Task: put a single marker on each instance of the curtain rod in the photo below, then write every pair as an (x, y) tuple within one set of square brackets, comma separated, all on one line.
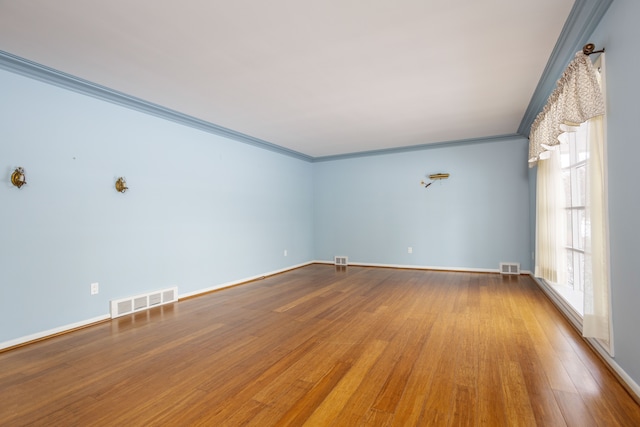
[(588, 49)]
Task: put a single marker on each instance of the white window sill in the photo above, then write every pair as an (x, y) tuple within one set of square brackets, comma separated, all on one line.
[(574, 298)]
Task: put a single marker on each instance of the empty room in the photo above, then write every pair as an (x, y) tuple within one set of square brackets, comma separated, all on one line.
[(406, 213)]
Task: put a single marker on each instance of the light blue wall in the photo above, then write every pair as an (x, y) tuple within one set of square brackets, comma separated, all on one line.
[(372, 208), (202, 210), (619, 33)]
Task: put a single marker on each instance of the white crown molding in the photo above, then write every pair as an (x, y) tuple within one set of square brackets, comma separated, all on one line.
[(419, 147), (45, 74), (582, 21), (49, 75)]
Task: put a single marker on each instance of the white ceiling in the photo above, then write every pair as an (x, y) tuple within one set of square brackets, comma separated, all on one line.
[(320, 78)]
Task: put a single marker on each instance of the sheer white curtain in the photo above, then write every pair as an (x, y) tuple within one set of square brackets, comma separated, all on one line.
[(550, 221), (595, 321), (577, 99)]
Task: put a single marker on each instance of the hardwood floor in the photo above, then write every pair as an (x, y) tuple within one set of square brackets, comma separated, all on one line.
[(317, 346)]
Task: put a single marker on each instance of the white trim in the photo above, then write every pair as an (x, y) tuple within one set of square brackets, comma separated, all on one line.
[(416, 267), (66, 328), (48, 75), (240, 281), (558, 302), (576, 322), (146, 298), (411, 148), (602, 351), (600, 63), (573, 317), (54, 331)]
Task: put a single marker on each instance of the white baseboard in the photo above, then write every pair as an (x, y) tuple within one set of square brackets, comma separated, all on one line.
[(416, 267), (51, 332), (561, 304), (240, 281), (67, 328), (576, 322), (631, 384)]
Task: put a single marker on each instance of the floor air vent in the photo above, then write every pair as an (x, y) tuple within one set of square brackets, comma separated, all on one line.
[(341, 260), (509, 268), (129, 305)]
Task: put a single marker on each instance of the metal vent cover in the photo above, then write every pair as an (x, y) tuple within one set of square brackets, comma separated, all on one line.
[(155, 299), (169, 295), (341, 260), (124, 306), (135, 303), (509, 268)]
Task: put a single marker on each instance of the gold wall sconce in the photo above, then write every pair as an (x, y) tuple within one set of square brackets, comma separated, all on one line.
[(18, 177), (121, 185), (434, 177)]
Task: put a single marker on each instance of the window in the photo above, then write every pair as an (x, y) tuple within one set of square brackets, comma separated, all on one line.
[(572, 224), (574, 154)]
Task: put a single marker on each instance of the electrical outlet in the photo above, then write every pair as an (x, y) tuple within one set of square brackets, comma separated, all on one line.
[(95, 288), (285, 252), (409, 250)]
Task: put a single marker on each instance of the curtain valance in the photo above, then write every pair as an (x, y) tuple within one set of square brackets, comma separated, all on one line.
[(576, 99)]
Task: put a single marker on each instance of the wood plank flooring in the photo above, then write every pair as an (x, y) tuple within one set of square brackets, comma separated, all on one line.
[(320, 346)]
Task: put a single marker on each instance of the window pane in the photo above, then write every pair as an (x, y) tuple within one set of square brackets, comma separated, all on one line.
[(579, 228), (581, 144), (570, 267), (569, 227), (565, 155), (581, 187), (566, 181), (579, 280), (582, 229)]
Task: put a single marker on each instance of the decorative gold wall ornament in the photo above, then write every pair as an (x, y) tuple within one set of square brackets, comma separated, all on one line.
[(434, 177), (18, 177), (439, 176), (121, 185)]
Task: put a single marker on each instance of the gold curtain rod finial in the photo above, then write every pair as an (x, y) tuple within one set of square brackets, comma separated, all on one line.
[(18, 177), (589, 48)]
